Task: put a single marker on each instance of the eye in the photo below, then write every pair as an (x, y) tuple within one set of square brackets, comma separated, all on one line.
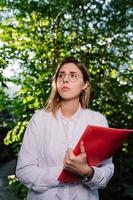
[(73, 75), (61, 75)]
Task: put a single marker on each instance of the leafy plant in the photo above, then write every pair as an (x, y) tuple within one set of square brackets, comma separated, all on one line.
[(38, 34)]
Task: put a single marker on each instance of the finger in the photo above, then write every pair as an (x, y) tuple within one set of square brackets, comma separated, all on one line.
[(82, 148), (66, 155), (66, 158), (66, 164), (71, 155)]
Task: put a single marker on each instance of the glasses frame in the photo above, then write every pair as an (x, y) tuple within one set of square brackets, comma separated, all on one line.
[(69, 76)]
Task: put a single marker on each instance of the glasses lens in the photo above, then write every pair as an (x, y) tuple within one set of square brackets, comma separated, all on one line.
[(60, 76), (73, 77)]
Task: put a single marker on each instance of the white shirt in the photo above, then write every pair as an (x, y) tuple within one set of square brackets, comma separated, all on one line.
[(43, 150)]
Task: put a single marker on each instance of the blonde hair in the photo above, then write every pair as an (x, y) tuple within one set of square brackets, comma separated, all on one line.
[(54, 101)]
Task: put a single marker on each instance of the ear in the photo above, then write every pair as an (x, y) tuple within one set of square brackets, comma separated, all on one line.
[(87, 84)]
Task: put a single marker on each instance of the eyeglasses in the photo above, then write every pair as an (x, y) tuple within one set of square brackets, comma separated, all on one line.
[(72, 76)]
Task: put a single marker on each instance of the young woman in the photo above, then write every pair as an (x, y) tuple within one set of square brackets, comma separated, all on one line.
[(51, 136)]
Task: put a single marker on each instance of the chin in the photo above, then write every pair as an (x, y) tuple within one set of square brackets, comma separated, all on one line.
[(66, 98)]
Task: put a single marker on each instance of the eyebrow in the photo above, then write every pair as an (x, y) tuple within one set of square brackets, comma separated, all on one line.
[(69, 72)]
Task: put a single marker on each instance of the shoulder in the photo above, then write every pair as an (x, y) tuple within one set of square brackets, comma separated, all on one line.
[(95, 113), (96, 117), (40, 115)]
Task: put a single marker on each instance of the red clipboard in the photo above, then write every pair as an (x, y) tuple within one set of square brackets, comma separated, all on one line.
[(100, 144)]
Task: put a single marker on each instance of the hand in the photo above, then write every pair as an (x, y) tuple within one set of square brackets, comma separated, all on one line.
[(77, 164)]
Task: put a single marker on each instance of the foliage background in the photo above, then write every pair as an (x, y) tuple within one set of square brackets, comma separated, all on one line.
[(36, 35)]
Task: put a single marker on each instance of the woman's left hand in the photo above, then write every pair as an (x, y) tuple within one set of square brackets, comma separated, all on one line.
[(77, 164)]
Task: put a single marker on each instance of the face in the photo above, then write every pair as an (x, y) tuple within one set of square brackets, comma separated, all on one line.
[(70, 82)]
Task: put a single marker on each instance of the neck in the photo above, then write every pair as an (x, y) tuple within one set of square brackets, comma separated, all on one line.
[(68, 108)]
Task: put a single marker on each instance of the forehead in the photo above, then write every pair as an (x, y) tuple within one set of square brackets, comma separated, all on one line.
[(70, 67)]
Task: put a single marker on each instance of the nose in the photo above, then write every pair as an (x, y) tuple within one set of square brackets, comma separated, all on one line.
[(65, 79)]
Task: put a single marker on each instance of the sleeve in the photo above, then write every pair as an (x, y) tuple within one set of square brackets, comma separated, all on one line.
[(104, 172), (28, 171), (102, 175)]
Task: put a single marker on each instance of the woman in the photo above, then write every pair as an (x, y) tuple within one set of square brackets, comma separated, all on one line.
[(51, 136)]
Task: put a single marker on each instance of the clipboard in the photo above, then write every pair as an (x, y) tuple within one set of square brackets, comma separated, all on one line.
[(100, 144)]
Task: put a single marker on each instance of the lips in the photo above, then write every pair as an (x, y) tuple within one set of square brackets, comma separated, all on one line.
[(65, 88)]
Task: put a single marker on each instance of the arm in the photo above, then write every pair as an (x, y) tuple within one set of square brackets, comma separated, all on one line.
[(28, 170), (78, 165)]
